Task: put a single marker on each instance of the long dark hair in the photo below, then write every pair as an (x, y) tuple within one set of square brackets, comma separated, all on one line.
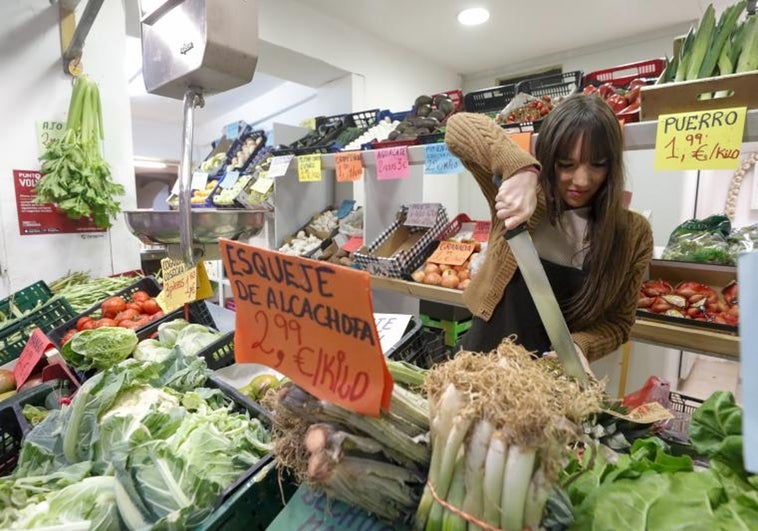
[(590, 119)]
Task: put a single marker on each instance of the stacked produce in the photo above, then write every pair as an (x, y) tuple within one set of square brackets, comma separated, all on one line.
[(301, 244), (500, 426), (82, 292), (623, 100), (447, 276), (711, 240), (76, 178), (241, 191), (716, 49), (427, 116), (531, 110), (649, 488), (141, 445), (247, 149), (377, 464), (379, 133), (691, 300)]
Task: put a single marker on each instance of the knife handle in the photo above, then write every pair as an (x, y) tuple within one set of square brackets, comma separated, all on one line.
[(515, 231)]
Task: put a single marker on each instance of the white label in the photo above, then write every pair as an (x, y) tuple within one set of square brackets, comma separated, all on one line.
[(279, 165), (422, 215), (230, 178), (199, 180), (391, 328)]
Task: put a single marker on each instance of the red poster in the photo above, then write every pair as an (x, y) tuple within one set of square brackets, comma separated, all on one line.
[(42, 219)]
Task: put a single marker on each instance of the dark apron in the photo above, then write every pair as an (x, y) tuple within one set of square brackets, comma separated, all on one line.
[(517, 314)]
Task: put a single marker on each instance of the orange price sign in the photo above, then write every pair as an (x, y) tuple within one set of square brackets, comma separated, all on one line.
[(349, 166), (311, 321), (452, 253), (523, 140)]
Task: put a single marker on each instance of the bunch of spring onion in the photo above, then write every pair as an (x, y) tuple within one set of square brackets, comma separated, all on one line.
[(377, 464), (500, 425), (75, 177)]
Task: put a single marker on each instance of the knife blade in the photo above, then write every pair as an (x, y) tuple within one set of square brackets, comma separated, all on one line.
[(550, 313)]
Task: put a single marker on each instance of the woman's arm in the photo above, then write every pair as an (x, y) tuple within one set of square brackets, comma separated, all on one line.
[(485, 150), (610, 333)]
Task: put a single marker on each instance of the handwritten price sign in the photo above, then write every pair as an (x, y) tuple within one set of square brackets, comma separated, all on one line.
[(349, 166), (452, 253), (703, 140), (309, 168), (392, 163), (312, 322), (438, 160)]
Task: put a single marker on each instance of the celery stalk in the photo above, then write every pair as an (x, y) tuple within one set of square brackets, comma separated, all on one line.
[(494, 468), (516, 479)]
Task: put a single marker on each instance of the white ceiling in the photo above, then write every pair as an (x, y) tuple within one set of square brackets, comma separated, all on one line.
[(516, 31)]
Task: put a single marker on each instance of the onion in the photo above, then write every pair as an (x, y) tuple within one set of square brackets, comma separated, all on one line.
[(450, 281), (418, 276), (449, 273), (435, 279), (464, 274), (431, 268), (464, 283)]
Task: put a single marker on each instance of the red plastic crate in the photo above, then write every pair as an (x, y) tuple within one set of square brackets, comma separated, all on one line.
[(453, 227), (623, 74)]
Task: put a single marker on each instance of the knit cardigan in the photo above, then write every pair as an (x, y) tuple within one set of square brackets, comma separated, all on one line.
[(485, 150)]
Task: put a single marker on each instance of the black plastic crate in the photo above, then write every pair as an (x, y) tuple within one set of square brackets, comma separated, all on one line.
[(147, 284), (443, 312), (337, 123), (13, 338), (403, 349), (13, 424), (196, 312), (26, 299), (491, 99), (682, 406), (553, 85)]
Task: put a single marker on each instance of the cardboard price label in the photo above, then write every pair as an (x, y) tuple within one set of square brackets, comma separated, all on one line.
[(199, 180), (311, 321), (391, 328), (309, 168), (279, 165), (482, 230), (392, 163), (262, 185), (702, 140), (349, 166), (438, 160), (452, 253), (422, 215), (31, 356), (182, 284)]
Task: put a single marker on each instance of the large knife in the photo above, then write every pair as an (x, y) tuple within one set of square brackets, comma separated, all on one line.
[(539, 287)]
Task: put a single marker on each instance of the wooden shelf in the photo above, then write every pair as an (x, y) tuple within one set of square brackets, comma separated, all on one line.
[(644, 330), (709, 274)]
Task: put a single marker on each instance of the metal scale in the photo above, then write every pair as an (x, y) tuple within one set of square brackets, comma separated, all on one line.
[(192, 48)]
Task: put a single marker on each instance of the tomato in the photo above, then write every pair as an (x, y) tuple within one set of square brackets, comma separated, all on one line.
[(105, 322), (89, 325), (140, 296), (82, 321), (111, 306), (66, 338), (128, 323), (150, 307), (143, 322), (156, 315), (127, 315), (136, 306)]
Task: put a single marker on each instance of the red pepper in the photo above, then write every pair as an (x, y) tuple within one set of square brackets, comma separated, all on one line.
[(634, 94), (634, 107), (617, 102), (606, 90), (589, 89), (638, 82)]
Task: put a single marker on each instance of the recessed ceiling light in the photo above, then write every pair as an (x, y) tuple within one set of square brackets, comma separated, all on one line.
[(473, 16)]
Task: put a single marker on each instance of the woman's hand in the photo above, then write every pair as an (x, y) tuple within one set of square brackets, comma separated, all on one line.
[(516, 199)]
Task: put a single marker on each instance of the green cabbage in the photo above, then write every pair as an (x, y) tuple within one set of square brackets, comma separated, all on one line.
[(167, 332), (99, 348), (151, 350)]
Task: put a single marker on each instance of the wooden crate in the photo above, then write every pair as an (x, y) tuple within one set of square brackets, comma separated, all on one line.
[(684, 97)]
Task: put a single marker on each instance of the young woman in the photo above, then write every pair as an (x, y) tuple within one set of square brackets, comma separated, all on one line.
[(594, 251)]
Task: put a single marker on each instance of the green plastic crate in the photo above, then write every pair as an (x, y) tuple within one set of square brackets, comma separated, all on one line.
[(26, 299), (254, 504), (13, 338)]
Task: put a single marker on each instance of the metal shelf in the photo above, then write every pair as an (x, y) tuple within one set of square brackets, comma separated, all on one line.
[(691, 339)]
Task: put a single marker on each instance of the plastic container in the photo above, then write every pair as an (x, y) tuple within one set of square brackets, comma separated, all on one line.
[(553, 85), (197, 313), (426, 349), (13, 338), (683, 407), (402, 350), (621, 75), (454, 227), (489, 100), (27, 298), (147, 284), (338, 123)]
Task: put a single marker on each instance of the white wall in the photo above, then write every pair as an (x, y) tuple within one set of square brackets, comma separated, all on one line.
[(156, 139), (35, 88)]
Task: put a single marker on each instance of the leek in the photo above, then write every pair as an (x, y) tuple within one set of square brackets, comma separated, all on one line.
[(725, 28), (701, 43), (476, 456), (516, 479), (748, 60), (684, 56)]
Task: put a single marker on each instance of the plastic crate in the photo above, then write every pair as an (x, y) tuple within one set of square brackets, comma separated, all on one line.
[(147, 284), (196, 312), (491, 99), (621, 75), (682, 406), (27, 298), (13, 424), (256, 503), (454, 227), (402, 349), (13, 338), (328, 144), (553, 85), (427, 349)]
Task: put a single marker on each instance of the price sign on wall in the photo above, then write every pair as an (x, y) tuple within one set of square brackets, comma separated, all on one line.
[(348, 166), (47, 131), (312, 322), (392, 163), (438, 160), (309, 168), (703, 140)]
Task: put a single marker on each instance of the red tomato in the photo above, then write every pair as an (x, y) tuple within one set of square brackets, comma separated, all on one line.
[(89, 325), (128, 323), (140, 296), (143, 321), (127, 315), (136, 306), (105, 322), (150, 307), (68, 336), (113, 305), (82, 321), (156, 315)]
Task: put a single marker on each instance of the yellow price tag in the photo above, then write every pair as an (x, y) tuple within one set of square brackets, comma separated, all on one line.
[(182, 284), (309, 168), (263, 185), (702, 140)]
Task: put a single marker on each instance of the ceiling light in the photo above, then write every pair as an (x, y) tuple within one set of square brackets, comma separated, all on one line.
[(473, 16), (150, 164)]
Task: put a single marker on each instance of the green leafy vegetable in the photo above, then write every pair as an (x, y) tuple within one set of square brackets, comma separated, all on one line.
[(76, 178), (99, 348), (34, 414), (716, 429)]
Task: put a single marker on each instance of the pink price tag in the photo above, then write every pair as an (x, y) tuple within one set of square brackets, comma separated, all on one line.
[(31, 356), (482, 230), (392, 163), (353, 244)]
